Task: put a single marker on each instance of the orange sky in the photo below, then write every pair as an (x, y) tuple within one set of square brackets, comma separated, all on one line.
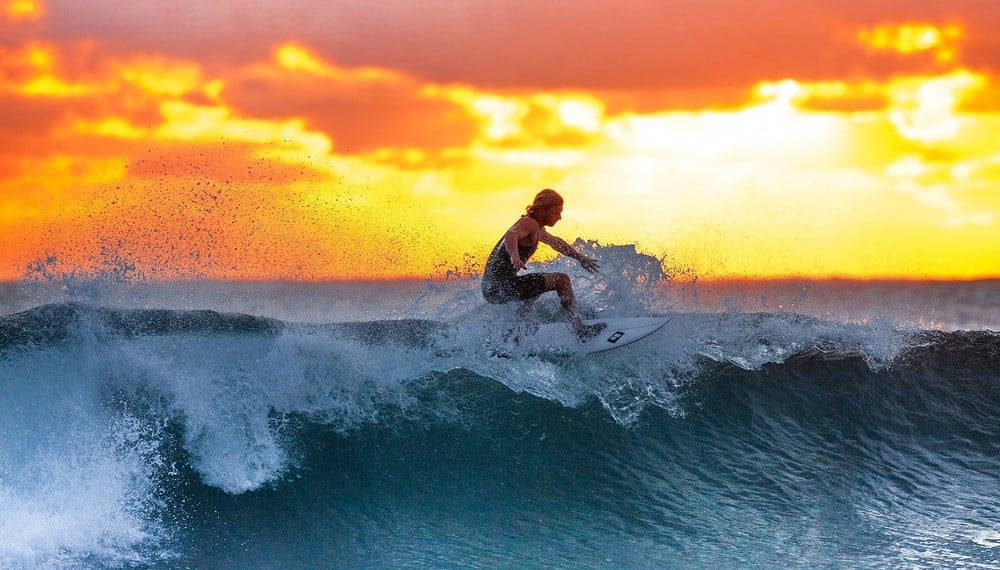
[(341, 139)]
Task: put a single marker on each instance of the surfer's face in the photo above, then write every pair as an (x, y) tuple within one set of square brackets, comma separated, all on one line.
[(550, 215)]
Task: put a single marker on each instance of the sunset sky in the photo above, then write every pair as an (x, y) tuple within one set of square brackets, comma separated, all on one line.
[(345, 139)]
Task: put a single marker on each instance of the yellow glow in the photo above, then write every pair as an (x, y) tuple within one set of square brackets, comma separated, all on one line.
[(214, 88), (914, 38), (923, 109), (785, 91), (34, 66), (503, 115), (113, 127), (294, 57), (583, 114), (185, 121), (18, 10), (59, 171), (162, 78), (893, 178), (908, 167), (49, 86), (774, 122), (39, 56), (507, 117)]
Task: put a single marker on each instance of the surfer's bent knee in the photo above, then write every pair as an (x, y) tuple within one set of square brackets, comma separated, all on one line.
[(558, 282)]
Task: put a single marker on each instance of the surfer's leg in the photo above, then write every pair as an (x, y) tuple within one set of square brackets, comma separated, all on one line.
[(527, 288), (560, 283)]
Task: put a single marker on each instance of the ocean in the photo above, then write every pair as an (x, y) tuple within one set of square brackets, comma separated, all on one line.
[(826, 424)]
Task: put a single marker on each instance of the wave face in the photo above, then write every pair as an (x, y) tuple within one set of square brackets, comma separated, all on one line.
[(169, 438)]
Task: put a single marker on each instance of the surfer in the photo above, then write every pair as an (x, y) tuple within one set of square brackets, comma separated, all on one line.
[(502, 284)]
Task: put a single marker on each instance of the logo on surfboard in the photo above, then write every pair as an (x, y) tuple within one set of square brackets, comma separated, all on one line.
[(614, 338)]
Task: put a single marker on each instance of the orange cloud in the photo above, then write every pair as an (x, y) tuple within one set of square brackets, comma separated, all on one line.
[(361, 110)]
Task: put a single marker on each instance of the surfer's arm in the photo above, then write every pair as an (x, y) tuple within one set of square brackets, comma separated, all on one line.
[(514, 235), (510, 244), (560, 245)]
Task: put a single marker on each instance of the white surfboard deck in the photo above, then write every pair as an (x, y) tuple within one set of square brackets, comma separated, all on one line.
[(619, 333)]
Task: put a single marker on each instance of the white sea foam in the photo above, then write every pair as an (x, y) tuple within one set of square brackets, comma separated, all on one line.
[(75, 478)]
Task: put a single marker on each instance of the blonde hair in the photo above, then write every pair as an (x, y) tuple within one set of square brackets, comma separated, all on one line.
[(545, 199)]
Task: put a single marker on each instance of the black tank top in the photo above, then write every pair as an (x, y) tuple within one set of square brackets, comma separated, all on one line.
[(499, 269)]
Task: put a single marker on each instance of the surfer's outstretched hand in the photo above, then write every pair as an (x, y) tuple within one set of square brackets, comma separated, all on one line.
[(589, 264)]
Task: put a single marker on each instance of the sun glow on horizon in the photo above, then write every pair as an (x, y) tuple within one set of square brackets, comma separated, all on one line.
[(293, 166)]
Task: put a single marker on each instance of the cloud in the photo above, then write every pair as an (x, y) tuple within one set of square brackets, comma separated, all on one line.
[(361, 110), (540, 44), (25, 126)]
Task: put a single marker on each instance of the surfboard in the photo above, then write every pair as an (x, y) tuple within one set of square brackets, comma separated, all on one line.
[(619, 333)]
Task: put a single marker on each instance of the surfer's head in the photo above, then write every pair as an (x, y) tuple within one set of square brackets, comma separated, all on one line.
[(545, 200), (547, 207)]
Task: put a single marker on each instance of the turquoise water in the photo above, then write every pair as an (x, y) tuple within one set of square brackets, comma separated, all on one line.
[(277, 425)]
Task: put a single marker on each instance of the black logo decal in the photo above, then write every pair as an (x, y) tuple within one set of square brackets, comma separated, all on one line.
[(616, 336)]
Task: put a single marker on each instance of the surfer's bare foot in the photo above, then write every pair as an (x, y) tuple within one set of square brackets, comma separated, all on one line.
[(587, 332)]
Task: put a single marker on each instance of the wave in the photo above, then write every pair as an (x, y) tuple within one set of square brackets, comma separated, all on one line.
[(113, 420), (690, 348)]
